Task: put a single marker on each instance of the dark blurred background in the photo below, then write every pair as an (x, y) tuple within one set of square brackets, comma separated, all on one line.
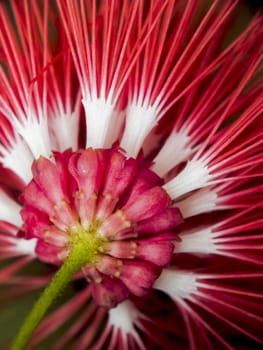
[(254, 5)]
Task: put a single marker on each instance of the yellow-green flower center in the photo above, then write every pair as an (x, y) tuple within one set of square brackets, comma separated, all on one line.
[(91, 244)]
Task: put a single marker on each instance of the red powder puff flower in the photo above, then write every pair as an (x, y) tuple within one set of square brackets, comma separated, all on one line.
[(131, 160)]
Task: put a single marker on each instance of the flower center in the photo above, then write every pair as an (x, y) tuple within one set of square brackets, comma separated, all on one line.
[(113, 208), (90, 242)]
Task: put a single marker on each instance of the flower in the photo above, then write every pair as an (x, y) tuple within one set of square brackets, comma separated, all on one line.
[(131, 155)]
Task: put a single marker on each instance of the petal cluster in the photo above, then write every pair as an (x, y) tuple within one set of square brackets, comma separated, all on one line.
[(115, 204)]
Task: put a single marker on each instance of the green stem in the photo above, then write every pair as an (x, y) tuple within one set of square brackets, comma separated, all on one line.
[(76, 259)]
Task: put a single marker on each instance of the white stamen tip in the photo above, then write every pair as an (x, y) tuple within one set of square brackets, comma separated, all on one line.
[(36, 134), (99, 113), (195, 175), (177, 284), (18, 158), (65, 128), (199, 202), (140, 120), (9, 210), (26, 247), (196, 242), (174, 151), (123, 317)]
